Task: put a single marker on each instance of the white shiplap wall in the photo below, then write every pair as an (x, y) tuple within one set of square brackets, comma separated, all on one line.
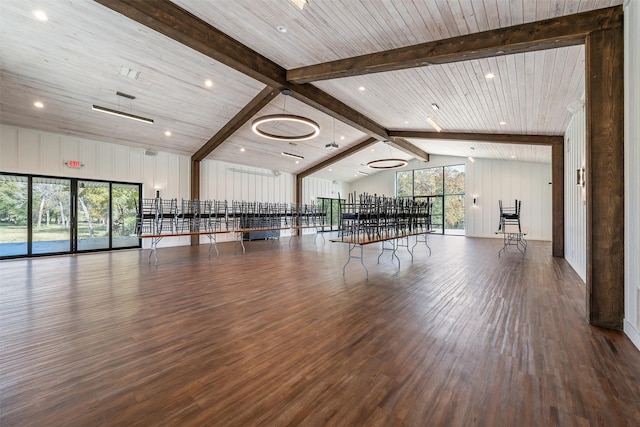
[(34, 152), (494, 180), (490, 181), (312, 188), (631, 170), (575, 209)]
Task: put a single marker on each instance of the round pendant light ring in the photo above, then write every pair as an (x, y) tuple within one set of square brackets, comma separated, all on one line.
[(387, 164), (315, 129)]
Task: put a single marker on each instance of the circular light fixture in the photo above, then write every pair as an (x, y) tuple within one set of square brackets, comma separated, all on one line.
[(315, 129), (387, 164), (38, 104)]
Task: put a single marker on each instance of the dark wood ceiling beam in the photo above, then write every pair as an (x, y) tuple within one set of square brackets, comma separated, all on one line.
[(404, 145), (176, 23), (551, 33), (251, 109), (500, 138), (334, 159)]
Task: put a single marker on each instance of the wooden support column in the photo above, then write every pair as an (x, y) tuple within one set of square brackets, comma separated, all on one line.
[(557, 199), (195, 191), (299, 179), (604, 81)]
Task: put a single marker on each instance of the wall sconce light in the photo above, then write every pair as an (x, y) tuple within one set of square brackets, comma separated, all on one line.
[(580, 178), (475, 200), (157, 194)]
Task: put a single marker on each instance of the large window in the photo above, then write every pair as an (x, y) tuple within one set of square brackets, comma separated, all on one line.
[(49, 215), (444, 188), (331, 209)]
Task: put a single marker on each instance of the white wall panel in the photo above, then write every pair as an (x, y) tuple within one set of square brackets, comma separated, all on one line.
[(34, 152), (231, 182), (88, 152), (28, 149), (490, 181), (632, 170), (312, 188), (120, 160), (575, 215)]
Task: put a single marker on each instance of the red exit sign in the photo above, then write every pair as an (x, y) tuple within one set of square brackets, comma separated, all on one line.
[(76, 164)]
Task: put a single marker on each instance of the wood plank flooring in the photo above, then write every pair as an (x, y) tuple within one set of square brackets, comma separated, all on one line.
[(278, 337)]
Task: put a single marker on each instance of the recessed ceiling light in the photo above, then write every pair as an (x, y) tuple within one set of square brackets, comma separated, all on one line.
[(281, 29), (361, 88), (242, 149), (503, 123), (38, 104), (342, 137), (406, 122), (297, 161), (373, 149), (208, 83), (330, 169), (40, 15), (471, 159), (489, 75), (167, 133), (513, 156)]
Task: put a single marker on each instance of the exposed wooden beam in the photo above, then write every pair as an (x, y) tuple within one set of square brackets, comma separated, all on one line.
[(551, 33), (339, 156), (604, 155), (251, 109), (501, 138), (404, 145), (176, 23)]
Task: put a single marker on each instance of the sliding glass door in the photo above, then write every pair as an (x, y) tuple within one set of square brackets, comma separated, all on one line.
[(93, 215), (50, 215), (125, 199), (14, 213)]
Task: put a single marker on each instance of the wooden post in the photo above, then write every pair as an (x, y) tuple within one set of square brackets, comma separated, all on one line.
[(195, 191), (604, 170), (557, 199)]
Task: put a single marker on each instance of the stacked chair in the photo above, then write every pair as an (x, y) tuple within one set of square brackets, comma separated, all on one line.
[(511, 227), (159, 216), (370, 217)]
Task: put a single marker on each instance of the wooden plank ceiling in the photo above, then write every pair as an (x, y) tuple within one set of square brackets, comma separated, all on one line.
[(83, 53)]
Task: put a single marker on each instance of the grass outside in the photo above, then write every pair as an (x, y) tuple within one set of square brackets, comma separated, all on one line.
[(16, 234)]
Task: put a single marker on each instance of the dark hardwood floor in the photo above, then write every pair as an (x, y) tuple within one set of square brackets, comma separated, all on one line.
[(279, 337)]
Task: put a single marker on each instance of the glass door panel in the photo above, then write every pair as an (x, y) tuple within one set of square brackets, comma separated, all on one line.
[(51, 215), (454, 214), (93, 215), (14, 231), (124, 201)]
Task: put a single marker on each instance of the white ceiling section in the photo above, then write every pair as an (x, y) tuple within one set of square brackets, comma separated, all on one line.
[(81, 54)]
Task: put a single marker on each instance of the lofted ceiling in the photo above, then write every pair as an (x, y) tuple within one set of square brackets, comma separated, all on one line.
[(86, 52)]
